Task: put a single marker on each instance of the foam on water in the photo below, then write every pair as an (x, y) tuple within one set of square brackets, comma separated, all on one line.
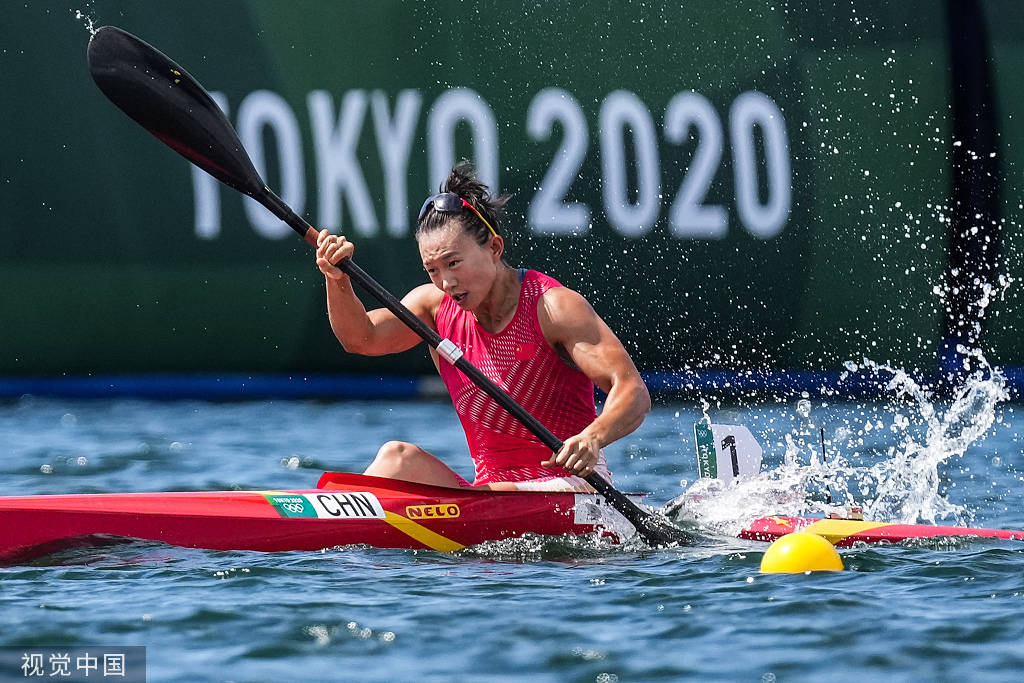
[(536, 548)]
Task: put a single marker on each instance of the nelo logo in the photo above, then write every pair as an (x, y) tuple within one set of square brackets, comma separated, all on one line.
[(444, 511)]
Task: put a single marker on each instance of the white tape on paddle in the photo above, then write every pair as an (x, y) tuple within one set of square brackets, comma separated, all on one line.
[(726, 451), (449, 350)]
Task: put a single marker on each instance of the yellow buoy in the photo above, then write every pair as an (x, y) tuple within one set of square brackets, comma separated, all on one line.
[(800, 552)]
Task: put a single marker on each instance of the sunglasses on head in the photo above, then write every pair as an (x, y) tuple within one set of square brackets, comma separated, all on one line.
[(449, 202)]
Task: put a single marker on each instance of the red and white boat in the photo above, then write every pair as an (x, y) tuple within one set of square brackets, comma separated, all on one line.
[(351, 509), (344, 509)]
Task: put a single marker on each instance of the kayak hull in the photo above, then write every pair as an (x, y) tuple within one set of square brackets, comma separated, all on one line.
[(345, 509), (353, 509), (847, 532)]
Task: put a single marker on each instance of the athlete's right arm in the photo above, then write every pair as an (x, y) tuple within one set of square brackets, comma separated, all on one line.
[(369, 333)]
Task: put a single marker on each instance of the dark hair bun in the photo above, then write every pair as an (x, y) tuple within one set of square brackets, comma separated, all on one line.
[(463, 182)]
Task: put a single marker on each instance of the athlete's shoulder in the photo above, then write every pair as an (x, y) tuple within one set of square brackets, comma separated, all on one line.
[(541, 280), (562, 300), (564, 314)]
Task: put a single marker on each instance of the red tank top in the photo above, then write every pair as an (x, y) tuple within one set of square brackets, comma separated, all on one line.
[(520, 361)]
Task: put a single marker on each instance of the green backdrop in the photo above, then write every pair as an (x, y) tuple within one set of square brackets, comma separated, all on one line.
[(733, 185)]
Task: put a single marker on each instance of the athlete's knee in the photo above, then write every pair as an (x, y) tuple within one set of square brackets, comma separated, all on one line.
[(397, 452)]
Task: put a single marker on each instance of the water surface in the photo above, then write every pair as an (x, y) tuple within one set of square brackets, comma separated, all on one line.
[(538, 609)]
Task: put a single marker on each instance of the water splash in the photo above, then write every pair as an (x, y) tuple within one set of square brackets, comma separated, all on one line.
[(728, 508), (87, 21), (886, 460), (907, 484)]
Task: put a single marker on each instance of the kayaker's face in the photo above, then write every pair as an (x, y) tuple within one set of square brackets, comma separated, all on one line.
[(459, 266)]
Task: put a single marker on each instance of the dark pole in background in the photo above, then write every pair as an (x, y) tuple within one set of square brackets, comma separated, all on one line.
[(974, 230)]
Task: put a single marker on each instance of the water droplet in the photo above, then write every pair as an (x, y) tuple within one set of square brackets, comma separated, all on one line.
[(803, 408)]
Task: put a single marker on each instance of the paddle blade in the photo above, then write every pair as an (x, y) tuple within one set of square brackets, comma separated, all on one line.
[(165, 100), (654, 530)]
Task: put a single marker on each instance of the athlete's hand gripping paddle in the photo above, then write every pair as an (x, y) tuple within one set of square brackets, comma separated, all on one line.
[(165, 100)]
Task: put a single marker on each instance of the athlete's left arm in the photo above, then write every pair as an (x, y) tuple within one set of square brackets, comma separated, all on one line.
[(571, 325)]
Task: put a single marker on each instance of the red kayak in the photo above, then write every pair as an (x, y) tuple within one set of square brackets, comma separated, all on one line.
[(847, 532), (344, 509), (354, 509)]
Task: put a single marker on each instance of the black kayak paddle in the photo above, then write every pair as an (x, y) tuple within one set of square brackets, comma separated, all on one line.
[(165, 100)]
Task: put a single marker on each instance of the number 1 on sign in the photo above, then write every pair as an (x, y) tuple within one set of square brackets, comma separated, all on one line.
[(726, 451)]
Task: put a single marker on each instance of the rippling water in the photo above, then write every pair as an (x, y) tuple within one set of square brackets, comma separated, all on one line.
[(543, 609)]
